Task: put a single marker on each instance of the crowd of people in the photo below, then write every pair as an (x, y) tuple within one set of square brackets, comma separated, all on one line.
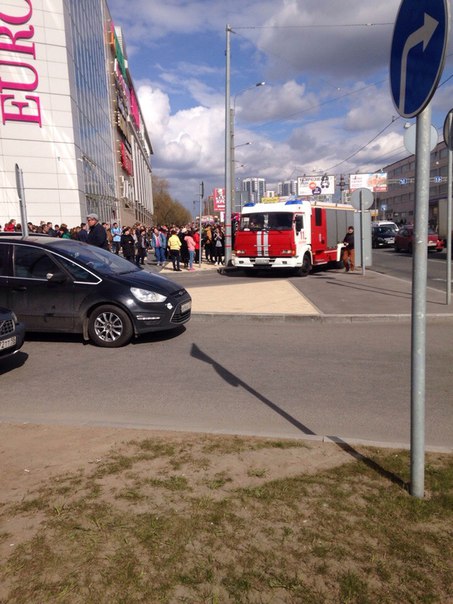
[(179, 244)]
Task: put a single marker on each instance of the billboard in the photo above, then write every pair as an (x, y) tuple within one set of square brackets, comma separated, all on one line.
[(219, 200), (375, 182), (316, 185)]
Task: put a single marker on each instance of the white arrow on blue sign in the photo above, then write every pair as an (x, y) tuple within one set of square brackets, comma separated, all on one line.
[(418, 53)]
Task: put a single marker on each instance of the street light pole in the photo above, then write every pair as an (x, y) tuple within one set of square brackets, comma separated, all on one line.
[(233, 167), (233, 147), (229, 143)]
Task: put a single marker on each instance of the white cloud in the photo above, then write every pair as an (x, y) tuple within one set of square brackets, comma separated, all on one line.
[(326, 99)]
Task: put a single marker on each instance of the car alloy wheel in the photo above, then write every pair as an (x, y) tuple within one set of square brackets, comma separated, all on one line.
[(110, 327)]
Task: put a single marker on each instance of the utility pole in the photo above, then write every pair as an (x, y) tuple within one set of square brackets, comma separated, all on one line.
[(227, 151)]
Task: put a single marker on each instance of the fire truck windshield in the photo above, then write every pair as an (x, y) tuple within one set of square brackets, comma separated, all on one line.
[(280, 221)]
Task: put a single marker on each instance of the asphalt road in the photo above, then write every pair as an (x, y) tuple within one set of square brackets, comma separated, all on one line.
[(399, 264), (243, 377)]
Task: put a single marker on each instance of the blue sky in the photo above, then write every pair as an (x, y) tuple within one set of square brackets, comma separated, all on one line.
[(325, 107)]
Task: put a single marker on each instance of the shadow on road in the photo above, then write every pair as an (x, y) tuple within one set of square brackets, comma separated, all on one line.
[(236, 382)]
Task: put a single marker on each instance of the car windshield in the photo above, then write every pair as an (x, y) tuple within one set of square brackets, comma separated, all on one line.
[(95, 257), (280, 221), (385, 231)]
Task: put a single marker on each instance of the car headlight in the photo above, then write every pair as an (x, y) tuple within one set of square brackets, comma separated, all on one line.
[(14, 317), (144, 295)]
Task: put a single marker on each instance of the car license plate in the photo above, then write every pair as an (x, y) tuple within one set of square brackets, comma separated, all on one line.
[(8, 343), (186, 306), (261, 260)]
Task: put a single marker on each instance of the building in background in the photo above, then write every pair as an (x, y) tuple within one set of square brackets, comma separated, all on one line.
[(398, 203), (287, 188), (255, 189), (70, 118)]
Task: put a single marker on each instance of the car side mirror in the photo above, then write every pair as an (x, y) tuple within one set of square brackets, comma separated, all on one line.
[(56, 277)]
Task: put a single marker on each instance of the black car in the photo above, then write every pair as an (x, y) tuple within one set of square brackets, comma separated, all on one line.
[(62, 285), (382, 236), (11, 333)]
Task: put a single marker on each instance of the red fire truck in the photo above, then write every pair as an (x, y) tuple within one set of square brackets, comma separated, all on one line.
[(292, 233)]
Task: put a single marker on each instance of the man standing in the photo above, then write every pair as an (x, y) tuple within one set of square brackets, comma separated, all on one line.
[(82, 235), (97, 234), (116, 235), (158, 243), (349, 252)]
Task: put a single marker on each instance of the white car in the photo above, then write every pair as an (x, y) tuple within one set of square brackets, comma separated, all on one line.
[(386, 223)]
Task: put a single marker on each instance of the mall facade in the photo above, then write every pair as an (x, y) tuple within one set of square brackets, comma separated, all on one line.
[(70, 118)]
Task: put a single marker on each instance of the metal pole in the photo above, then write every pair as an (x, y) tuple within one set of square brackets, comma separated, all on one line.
[(227, 151), (21, 194), (449, 211), (232, 170), (200, 247), (362, 235), (419, 282)]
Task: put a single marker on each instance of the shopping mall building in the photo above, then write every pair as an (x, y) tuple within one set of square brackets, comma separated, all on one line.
[(70, 118)]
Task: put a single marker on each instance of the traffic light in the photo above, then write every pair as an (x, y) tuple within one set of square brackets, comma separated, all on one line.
[(342, 183)]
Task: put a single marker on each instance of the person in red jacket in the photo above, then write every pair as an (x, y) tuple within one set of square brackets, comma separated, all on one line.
[(10, 226), (196, 238)]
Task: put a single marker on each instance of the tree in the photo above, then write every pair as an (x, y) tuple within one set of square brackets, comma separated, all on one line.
[(166, 209)]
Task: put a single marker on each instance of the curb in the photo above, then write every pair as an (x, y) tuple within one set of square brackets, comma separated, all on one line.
[(289, 318)]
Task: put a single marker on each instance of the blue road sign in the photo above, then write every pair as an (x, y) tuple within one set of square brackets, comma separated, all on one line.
[(418, 53)]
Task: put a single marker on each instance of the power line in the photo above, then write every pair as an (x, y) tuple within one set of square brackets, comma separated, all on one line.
[(394, 119), (314, 25)]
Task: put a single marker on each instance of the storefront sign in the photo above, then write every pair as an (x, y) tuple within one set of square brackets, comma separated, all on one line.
[(126, 159), (17, 104)]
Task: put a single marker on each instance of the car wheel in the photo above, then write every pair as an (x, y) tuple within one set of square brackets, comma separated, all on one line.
[(306, 266), (110, 327)]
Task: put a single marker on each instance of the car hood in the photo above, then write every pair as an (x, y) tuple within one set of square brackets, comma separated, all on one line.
[(148, 281)]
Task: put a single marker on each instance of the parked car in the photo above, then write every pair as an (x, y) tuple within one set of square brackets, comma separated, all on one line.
[(62, 285), (385, 223), (404, 240), (11, 333), (382, 237)]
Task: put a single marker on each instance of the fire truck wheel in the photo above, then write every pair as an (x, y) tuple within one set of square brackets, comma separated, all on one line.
[(306, 266)]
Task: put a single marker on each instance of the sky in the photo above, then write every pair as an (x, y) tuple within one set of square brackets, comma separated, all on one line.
[(325, 105)]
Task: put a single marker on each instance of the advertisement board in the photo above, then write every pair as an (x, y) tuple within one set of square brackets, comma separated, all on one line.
[(374, 182), (316, 185), (219, 200)]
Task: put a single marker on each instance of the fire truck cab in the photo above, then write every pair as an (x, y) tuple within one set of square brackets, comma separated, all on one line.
[(293, 234)]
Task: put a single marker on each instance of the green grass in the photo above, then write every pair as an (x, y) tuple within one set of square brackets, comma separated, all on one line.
[(153, 524)]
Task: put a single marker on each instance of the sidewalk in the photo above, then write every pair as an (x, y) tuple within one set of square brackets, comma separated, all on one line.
[(328, 295)]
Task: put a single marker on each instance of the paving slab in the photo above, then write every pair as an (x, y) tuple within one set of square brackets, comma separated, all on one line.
[(251, 298)]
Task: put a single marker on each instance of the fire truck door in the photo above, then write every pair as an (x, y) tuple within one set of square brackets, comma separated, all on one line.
[(318, 230)]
